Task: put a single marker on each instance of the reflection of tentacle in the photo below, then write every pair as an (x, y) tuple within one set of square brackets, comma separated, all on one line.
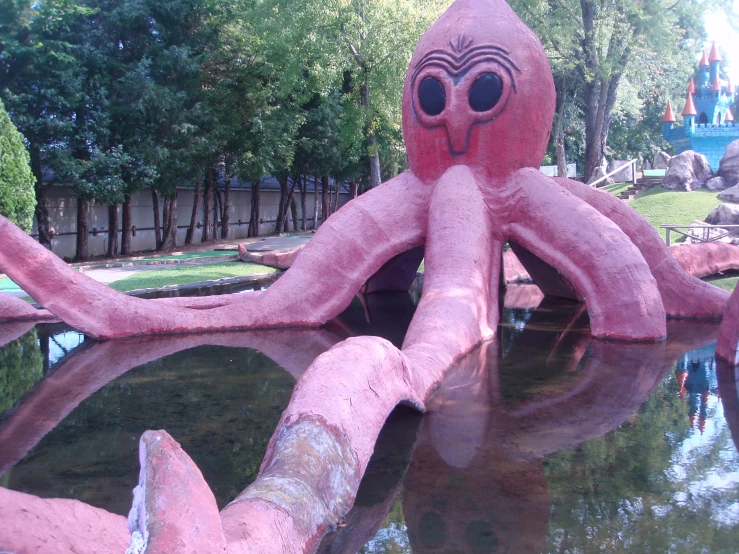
[(370, 230), (15, 309), (85, 372), (11, 331), (682, 294), (728, 386), (607, 270), (727, 346), (58, 526)]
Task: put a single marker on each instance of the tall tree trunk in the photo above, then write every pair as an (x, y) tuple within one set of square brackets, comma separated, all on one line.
[(157, 222), (354, 187), (194, 215), (126, 226), (316, 203), (82, 251), (41, 211), (254, 217), (324, 198), (112, 230), (226, 209), (336, 199), (294, 212), (207, 205), (303, 186), (289, 203), (372, 151), (282, 208), (169, 236), (559, 135)]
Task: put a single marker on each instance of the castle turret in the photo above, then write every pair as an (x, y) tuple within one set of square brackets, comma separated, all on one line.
[(729, 119), (703, 70), (714, 59), (689, 114), (668, 120)]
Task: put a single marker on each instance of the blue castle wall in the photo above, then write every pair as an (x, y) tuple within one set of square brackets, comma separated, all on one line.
[(709, 140), (707, 132)]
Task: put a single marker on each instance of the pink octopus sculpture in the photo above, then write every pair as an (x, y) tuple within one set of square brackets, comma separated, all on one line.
[(477, 108)]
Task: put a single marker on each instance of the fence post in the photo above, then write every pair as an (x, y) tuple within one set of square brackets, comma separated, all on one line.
[(667, 236)]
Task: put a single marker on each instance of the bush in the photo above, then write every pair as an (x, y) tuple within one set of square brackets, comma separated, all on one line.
[(17, 197)]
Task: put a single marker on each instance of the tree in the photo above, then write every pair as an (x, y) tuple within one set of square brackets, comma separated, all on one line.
[(17, 199), (599, 43)]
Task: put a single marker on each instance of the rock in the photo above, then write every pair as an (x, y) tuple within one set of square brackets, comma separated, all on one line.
[(661, 160), (725, 214), (716, 183), (621, 176), (688, 171), (696, 236), (729, 166), (599, 173), (646, 165), (730, 194)]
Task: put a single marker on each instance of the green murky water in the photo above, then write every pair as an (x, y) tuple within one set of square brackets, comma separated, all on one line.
[(543, 441)]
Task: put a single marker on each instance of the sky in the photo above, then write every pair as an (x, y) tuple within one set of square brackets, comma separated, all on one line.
[(719, 30)]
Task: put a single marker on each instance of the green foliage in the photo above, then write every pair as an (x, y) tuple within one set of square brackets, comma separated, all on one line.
[(17, 199), (21, 366)]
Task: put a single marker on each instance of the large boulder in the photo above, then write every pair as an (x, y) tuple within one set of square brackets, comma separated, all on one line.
[(730, 194), (622, 176), (688, 171), (729, 166), (725, 214), (661, 160), (599, 174), (716, 183)]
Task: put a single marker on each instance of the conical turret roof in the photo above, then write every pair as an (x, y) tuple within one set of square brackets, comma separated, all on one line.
[(669, 116), (689, 108), (715, 56)]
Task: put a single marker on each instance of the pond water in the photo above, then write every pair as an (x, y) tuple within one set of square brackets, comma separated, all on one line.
[(541, 441)]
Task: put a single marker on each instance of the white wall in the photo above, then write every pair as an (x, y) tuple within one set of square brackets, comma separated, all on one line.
[(62, 206)]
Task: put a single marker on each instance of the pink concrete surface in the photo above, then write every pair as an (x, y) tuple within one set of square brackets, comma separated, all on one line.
[(174, 509), (11, 331), (683, 295), (727, 345), (706, 258), (280, 259), (15, 309), (29, 524)]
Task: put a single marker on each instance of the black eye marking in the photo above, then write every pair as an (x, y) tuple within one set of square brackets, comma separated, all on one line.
[(485, 92), (431, 96)]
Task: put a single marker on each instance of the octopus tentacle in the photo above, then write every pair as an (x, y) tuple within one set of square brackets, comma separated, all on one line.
[(324, 440), (607, 270), (370, 230), (683, 295)]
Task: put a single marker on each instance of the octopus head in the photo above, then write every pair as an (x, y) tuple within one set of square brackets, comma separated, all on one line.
[(479, 92)]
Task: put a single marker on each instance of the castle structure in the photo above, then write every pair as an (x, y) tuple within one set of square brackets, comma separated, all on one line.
[(708, 123)]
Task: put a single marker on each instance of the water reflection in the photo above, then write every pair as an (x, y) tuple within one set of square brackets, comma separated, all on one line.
[(543, 441)]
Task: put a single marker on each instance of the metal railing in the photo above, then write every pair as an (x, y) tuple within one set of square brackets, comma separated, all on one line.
[(705, 236), (632, 163)]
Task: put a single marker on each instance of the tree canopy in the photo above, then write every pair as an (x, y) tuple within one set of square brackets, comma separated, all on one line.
[(17, 200)]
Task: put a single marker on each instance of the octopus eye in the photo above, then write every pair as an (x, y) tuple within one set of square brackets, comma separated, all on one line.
[(485, 92), (431, 96)]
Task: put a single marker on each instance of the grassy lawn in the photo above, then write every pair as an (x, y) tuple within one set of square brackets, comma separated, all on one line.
[(185, 275), (660, 206)]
